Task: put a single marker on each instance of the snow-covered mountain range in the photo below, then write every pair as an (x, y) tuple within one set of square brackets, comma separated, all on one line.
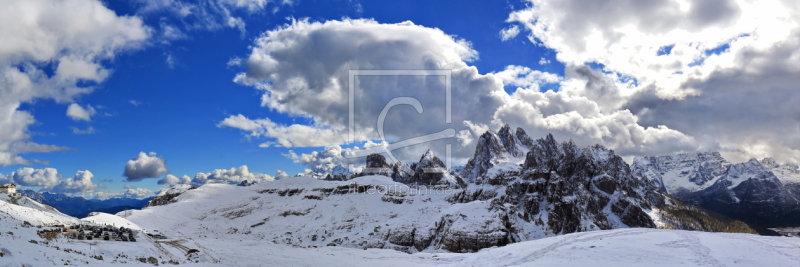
[(80, 207), (502, 196), (762, 192), (517, 193)]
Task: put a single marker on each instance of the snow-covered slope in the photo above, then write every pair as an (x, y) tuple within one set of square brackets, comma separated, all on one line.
[(787, 173), (28, 238), (683, 173), (21, 246)]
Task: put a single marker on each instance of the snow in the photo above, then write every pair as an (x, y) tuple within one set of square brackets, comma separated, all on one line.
[(192, 223), (675, 172), (177, 189), (738, 173), (114, 220), (787, 174)]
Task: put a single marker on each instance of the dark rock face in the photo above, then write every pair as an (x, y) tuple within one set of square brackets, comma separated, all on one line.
[(523, 138), (510, 142), (559, 189), (166, 198), (376, 165), (565, 189), (430, 169), (488, 152), (246, 183)]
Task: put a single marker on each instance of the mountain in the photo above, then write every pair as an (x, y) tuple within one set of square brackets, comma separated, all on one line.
[(504, 208), (168, 196), (72, 206), (683, 173), (26, 240), (761, 192), (496, 200), (122, 201), (81, 207)]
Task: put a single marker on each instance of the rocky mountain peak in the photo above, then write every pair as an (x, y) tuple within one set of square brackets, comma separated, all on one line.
[(770, 163), (376, 165), (376, 160), (488, 152), (429, 155), (510, 142), (682, 173), (523, 138)]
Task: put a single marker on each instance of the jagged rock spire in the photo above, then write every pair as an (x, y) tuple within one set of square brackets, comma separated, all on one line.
[(488, 152), (510, 141), (523, 138), (376, 165), (430, 169)]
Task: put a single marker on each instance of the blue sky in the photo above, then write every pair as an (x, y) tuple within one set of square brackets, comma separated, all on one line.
[(181, 105), (614, 78)]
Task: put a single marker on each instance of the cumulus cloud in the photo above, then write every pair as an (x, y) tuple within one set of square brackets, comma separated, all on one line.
[(73, 37), (48, 179), (145, 166), (170, 179), (76, 112), (135, 192), (723, 72), (295, 135), (302, 68), (230, 176), (80, 183), (281, 175)]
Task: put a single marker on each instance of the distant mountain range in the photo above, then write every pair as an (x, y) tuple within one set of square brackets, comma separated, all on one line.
[(81, 207), (761, 192)]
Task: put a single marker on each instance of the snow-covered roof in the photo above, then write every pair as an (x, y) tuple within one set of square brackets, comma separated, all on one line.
[(8, 186)]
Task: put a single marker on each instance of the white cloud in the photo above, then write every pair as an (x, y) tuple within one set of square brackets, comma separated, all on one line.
[(295, 135), (135, 192), (134, 103), (509, 32), (170, 60), (80, 183), (721, 71), (129, 192), (145, 166), (543, 61), (48, 179), (205, 14), (525, 77), (230, 176), (281, 175), (74, 37), (170, 179), (302, 68), (76, 112), (89, 130)]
